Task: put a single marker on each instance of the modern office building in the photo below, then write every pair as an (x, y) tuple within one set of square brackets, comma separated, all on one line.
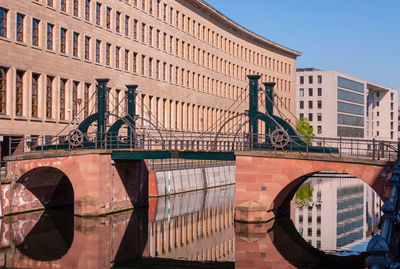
[(189, 60), (339, 105)]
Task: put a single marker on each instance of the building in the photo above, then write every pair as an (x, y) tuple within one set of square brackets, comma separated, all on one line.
[(189, 60), (341, 214), (339, 105)]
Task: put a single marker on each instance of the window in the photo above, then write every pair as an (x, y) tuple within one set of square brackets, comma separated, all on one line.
[(301, 92), (150, 67), (19, 93), (310, 104), (319, 129), (309, 231), (63, 5), (63, 40), (350, 108), (151, 36), (310, 79), (50, 3), (319, 104), (143, 31), (108, 17), (98, 44), (126, 60), (377, 94), (75, 45), (3, 22), (117, 21), (391, 96), (350, 132), (87, 10), (3, 90), (301, 104), (350, 84), (87, 47), (377, 124), (75, 85), (377, 113), (35, 92), (108, 48), (98, 13), (301, 115), (86, 100), (117, 50), (134, 62), (126, 25), (391, 106), (50, 36), (135, 25), (319, 79), (62, 99), (319, 117), (49, 97), (319, 91), (377, 133), (310, 92), (310, 116), (20, 27), (35, 32), (76, 8), (350, 96), (142, 65), (377, 103)]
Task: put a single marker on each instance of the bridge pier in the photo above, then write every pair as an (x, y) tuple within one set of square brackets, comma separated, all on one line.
[(92, 183)]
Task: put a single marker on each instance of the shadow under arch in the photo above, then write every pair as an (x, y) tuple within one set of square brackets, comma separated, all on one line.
[(50, 185), (292, 246), (51, 237)]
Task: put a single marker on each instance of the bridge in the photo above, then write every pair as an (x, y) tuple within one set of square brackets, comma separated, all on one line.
[(108, 170)]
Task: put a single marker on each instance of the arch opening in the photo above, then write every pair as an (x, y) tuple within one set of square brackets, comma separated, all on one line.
[(332, 212), (50, 186)]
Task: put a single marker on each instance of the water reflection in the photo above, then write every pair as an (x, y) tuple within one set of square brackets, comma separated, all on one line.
[(192, 229), (336, 213)]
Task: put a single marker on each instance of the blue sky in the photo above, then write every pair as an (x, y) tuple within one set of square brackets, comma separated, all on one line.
[(357, 37)]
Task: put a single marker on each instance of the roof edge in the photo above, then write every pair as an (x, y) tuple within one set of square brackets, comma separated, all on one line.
[(236, 26)]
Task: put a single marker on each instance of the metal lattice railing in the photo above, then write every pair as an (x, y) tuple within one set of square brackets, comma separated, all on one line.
[(183, 140)]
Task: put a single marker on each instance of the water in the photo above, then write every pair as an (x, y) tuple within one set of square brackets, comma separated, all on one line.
[(197, 230)]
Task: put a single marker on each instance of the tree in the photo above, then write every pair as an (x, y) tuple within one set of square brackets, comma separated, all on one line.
[(304, 128), (304, 195)]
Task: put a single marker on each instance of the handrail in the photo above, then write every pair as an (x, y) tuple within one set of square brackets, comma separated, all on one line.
[(383, 248)]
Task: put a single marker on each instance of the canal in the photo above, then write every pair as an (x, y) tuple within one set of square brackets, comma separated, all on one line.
[(327, 224)]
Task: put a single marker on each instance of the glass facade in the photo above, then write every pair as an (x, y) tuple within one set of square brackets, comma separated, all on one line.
[(350, 84), (350, 132), (350, 96), (350, 108), (350, 120)]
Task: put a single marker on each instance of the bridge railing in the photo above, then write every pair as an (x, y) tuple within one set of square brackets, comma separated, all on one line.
[(154, 140)]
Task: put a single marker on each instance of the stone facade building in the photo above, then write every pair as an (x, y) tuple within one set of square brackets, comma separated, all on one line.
[(189, 61)]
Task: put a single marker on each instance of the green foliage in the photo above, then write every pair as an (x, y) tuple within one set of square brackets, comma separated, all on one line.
[(305, 129), (304, 195)]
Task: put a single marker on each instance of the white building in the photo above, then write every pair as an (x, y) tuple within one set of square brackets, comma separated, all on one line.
[(339, 105), (341, 213)]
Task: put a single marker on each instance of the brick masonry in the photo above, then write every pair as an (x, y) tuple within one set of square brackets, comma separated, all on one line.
[(269, 180), (99, 185)]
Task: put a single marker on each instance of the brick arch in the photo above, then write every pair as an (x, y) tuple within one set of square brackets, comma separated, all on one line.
[(270, 180), (50, 186), (100, 185)]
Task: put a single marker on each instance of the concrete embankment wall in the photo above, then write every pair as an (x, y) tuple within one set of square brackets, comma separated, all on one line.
[(185, 180)]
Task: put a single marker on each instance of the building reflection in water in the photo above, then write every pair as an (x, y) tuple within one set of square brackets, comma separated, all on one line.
[(195, 226), (336, 212), (198, 227)]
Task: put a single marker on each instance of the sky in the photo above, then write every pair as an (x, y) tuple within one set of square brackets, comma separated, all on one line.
[(360, 38)]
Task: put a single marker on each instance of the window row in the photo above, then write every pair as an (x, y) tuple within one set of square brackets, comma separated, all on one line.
[(310, 92), (311, 79), (113, 19), (310, 116), (311, 104), (81, 46)]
